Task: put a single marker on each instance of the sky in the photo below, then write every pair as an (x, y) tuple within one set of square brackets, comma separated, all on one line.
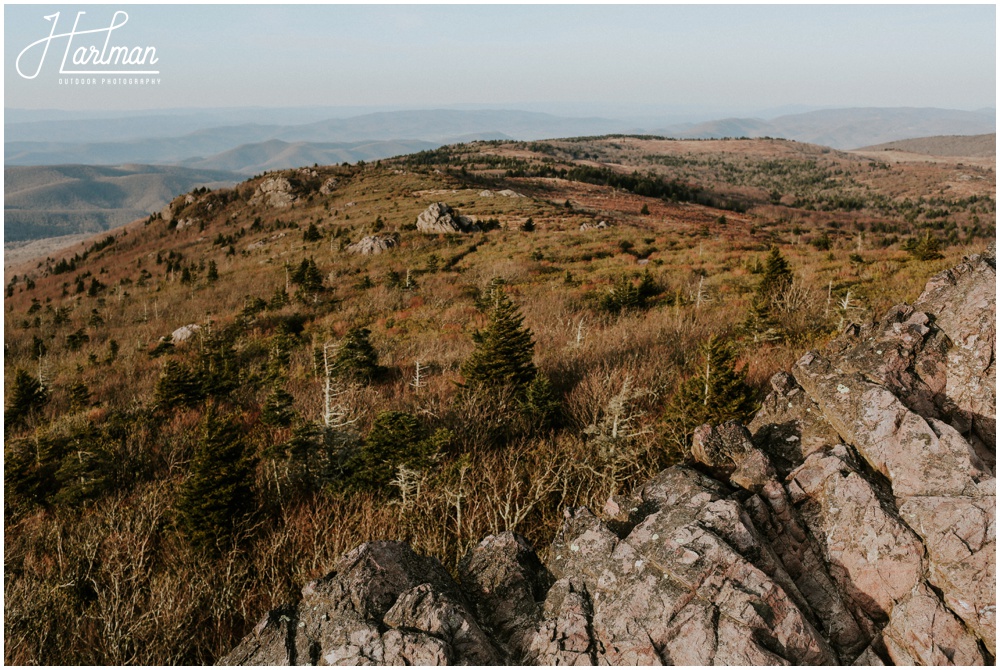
[(740, 58)]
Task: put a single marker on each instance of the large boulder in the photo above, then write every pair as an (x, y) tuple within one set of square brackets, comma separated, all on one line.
[(853, 523), (440, 218), (274, 192), (373, 244), (382, 605)]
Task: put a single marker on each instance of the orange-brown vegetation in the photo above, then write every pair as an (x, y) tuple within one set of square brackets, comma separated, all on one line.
[(97, 566)]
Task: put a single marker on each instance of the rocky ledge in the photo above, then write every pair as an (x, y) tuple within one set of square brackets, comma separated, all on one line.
[(852, 522)]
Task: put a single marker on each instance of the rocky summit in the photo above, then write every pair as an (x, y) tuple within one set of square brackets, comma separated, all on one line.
[(853, 521)]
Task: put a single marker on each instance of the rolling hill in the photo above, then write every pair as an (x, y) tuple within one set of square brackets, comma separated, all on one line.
[(251, 159), (978, 146)]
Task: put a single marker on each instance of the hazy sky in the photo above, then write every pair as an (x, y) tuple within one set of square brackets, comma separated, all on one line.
[(734, 57)]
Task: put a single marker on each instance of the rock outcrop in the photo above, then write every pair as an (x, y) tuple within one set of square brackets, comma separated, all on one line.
[(440, 218), (373, 244), (852, 522), (274, 192), (184, 333), (590, 225)]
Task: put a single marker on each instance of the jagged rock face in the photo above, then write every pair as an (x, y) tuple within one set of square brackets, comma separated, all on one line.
[(373, 244), (853, 523), (274, 192), (382, 605), (440, 218)]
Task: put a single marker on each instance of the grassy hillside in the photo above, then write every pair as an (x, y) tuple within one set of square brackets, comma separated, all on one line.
[(47, 201), (310, 442), (979, 146)]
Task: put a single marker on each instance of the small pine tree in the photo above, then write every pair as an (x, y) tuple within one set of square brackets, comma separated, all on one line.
[(27, 396), (312, 234), (396, 438), (278, 409), (279, 299), (356, 357), (308, 276), (216, 493), (927, 248), (622, 297), (776, 277), (504, 350), (85, 474), (79, 395), (648, 287), (760, 325), (715, 394), (644, 211), (177, 386), (541, 404), (528, 226), (213, 272)]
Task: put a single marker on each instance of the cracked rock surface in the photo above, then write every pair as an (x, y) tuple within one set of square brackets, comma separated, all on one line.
[(852, 522)]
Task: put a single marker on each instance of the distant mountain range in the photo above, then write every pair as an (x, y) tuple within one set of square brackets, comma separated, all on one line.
[(398, 130), (47, 201), (201, 148), (848, 128), (384, 134)]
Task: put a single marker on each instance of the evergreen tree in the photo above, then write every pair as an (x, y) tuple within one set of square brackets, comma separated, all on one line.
[(760, 324), (622, 297), (27, 396), (85, 473), (528, 226), (79, 395), (541, 405), (177, 386), (213, 272), (776, 278), (217, 372), (279, 299), (926, 248), (38, 348), (714, 394), (216, 493), (504, 350), (308, 276), (648, 288), (312, 234), (356, 357), (625, 295), (278, 409), (396, 438)]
